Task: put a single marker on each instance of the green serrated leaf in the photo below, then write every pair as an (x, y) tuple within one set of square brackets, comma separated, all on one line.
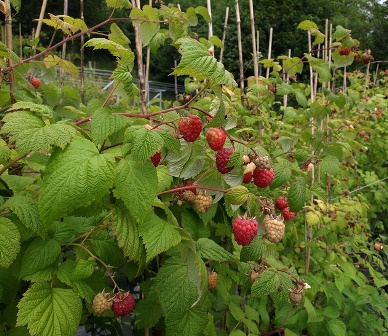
[(236, 311), (311, 312), (49, 311), (190, 322), (307, 25), (283, 173), (197, 62), (337, 327), (292, 66), (127, 233), (118, 36), (219, 118), (330, 164), (170, 142), (148, 312), (164, 178), (39, 255), (177, 287), (118, 3), (73, 178), (27, 211), (300, 98), (266, 283), (297, 194), (9, 242), (340, 33), (253, 251), (194, 226), (210, 250), (158, 235), (31, 133), (342, 60), (210, 329), (137, 186), (105, 124), (145, 143), (147, 22)]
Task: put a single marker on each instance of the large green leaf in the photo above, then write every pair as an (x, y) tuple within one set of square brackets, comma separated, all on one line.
[(147, 21), (127, 233), (267, 282), (104, 124), (190, 322), (73, 178), (137, 186), (9, 242), (39, 255), (177, 283), (210, 250), (158, 235), (148, 312), (197, 62), (297, 194), (26, 209), (49, 311), (31, 133)]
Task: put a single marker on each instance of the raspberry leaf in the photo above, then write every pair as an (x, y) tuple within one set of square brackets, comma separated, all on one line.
[(330, 164), (27, 211), (337, 327), (147, 22), (164, 178), (297, 194), (283, 173), (145, 143), (219, 118), (37, 109), (190, 322), (137, 186), (210, 250), (105, 124), (197, 62), (253, 251), (39, 255), (195, 227), (73, 178), (118, 3), (148, 312), (9, 242), (266, 283), (188, 162), (48, 311), (127, 233), (31, 133), (158, 235)]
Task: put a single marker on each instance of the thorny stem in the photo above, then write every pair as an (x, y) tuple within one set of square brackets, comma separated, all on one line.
[(190, 187), (107, 267), (9, 164)]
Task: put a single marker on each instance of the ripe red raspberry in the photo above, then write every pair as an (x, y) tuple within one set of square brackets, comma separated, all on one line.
[(287, 214), (281, 203), (344, 51), (247, 178), (190, 127), (215, 137), (213, 279), (263, 177), (35, 82), (102, 303), (222, 159), (244, 229), (202, 203), (123, 303), (156, 159)]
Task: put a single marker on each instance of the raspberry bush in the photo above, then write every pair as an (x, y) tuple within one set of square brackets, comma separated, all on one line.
[(117, 196)]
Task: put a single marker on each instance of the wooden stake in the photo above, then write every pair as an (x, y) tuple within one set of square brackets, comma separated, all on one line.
[(147, 70), (41, 16), (240, 57), (269, 48), (139, 56), (224, 32), (254, 48), (82, 65), (209, 9), (9, 43), (62, 73)]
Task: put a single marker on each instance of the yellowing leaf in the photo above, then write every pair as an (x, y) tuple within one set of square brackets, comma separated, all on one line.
[(312, 218)]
